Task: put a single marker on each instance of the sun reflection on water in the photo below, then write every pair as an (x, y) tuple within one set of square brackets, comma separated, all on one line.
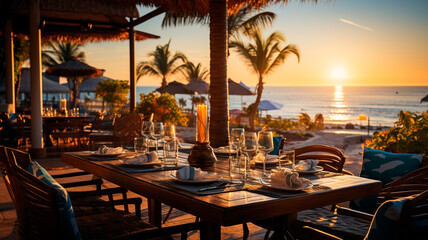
[(339, 113)]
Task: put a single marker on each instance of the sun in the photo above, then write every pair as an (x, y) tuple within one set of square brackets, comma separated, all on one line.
[(339, 73)]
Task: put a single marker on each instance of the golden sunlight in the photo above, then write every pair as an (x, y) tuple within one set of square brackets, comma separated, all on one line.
[(339, 73)]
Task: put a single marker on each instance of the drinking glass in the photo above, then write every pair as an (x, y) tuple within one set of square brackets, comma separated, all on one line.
[(141, 145), (237, 139), (146, 129), (288, 156), (250, 149), (157, 133), (169, 131), (265, 146), (170, 153)]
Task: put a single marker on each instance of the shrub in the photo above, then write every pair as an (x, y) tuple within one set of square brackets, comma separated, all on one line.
[(164, 107), (409, 135), (113, 92)]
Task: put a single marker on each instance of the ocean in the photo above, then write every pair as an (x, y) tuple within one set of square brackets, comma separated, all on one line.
[(339, 105)]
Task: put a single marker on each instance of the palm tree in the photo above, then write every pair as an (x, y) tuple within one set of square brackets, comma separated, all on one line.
[(182, 102), (192, 72), (162, 64), (57, 53), (219, 123), (263, 56)]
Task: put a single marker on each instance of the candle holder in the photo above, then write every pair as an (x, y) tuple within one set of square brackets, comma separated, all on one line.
[(202, 155)]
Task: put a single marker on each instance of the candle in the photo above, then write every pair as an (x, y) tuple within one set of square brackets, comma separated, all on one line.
[(201, 123), (63, 104)]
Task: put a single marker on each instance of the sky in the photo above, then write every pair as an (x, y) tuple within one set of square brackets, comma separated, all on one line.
[(341, 42)]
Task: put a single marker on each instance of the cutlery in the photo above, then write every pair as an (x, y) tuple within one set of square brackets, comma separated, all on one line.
[(219, 186)]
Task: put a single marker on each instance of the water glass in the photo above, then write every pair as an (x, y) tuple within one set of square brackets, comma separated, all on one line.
[(141, 145), (286, 159), (157, 133), (170, 153), (249, 148), (238, 168), (265, 146), (169, 133)]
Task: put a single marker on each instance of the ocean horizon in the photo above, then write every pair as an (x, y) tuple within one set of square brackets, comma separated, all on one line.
[(338, 104)]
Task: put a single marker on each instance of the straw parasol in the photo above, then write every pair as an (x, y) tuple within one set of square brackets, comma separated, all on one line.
[(238, 89), (424, 99), (199, 86), (76, 70), (175, 88)]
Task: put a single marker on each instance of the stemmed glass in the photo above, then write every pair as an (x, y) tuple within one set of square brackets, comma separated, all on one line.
[(237, 138), (249, 148), (146, 131), (157, 133), (265, 146)]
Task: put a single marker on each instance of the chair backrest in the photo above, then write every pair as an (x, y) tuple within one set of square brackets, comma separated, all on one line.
[(414, 218), (412, 183), (4, 170), (330, 158), (40, 206), (22, 158), (128, 127)]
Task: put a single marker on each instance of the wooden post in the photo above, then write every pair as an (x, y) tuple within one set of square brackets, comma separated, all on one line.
[(36, 82), (10, 68), (132, 81)]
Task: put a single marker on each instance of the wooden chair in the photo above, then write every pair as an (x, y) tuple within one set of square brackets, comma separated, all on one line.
[(330, 158), (23, 130), (39, 215), (67, 129), (125, 129), (351, 224), (414, 211)]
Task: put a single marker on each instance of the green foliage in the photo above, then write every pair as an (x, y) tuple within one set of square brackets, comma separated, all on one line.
[(113, 92), (303, 123), (164, 107), (409, 135)]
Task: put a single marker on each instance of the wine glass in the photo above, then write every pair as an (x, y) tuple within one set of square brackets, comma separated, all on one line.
[(146, 129), (265, 146), (157, 133), (249, 148), (237, 138)]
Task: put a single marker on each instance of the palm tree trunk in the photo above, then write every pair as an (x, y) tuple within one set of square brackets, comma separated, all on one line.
[(164, 83), (219, 98), (256, 104)]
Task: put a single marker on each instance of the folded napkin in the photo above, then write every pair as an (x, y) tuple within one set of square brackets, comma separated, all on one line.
[(306, 165), (150, 157), (108, 150), (269, 158), (191, 173), (288, 179)]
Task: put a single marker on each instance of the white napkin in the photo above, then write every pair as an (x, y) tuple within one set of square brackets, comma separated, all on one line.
[(289, 179), (269, 158), (191, 173), (108, 150), (150, 157), (306, 165)]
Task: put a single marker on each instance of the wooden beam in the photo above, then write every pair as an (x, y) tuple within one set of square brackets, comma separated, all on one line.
[(132, 81), (146, 17)]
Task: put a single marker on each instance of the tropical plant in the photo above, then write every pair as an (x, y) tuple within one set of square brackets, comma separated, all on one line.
[(263, 56), (409, 135), (59, 52), (113, 92), (192, 72), (196, 100), (163, 107), (163, 63)]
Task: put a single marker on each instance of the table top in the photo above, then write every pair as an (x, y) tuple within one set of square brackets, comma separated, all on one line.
[(251, 203)]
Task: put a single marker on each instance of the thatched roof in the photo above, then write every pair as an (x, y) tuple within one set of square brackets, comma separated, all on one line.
[(74, 68), (198, 85), (238, 89), (88, 84), (77, 20), (201, 7), (175, 87)]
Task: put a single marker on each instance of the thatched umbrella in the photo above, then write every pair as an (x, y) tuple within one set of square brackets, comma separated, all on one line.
[(76, 71), (198, 85), (424, 99), (175, 88)]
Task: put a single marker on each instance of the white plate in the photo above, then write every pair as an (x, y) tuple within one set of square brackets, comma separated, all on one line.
[(287, 188), (315, 170), (211, 177), (96, 154)]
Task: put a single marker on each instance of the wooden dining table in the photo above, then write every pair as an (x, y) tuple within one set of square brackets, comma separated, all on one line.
[(229, 206)]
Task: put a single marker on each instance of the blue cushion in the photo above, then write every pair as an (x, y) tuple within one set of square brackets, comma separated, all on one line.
[(66, 212), (386, 219), (385, 167), (276, 143)]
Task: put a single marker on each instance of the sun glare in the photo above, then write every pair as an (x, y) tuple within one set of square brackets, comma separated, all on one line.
[(339, 73)]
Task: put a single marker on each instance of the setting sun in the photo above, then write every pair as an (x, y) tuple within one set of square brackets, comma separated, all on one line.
[(339, 73)]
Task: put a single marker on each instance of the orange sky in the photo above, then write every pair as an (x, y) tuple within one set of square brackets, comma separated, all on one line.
[(382, 42)]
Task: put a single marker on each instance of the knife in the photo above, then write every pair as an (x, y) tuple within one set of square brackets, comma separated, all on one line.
[(221, 185)]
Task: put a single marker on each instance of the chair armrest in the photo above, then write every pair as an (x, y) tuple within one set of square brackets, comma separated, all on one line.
[(315, 234), (102, 192), (354, 213), (166, 231), (347, 172), (97, 182), (72, 174)]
